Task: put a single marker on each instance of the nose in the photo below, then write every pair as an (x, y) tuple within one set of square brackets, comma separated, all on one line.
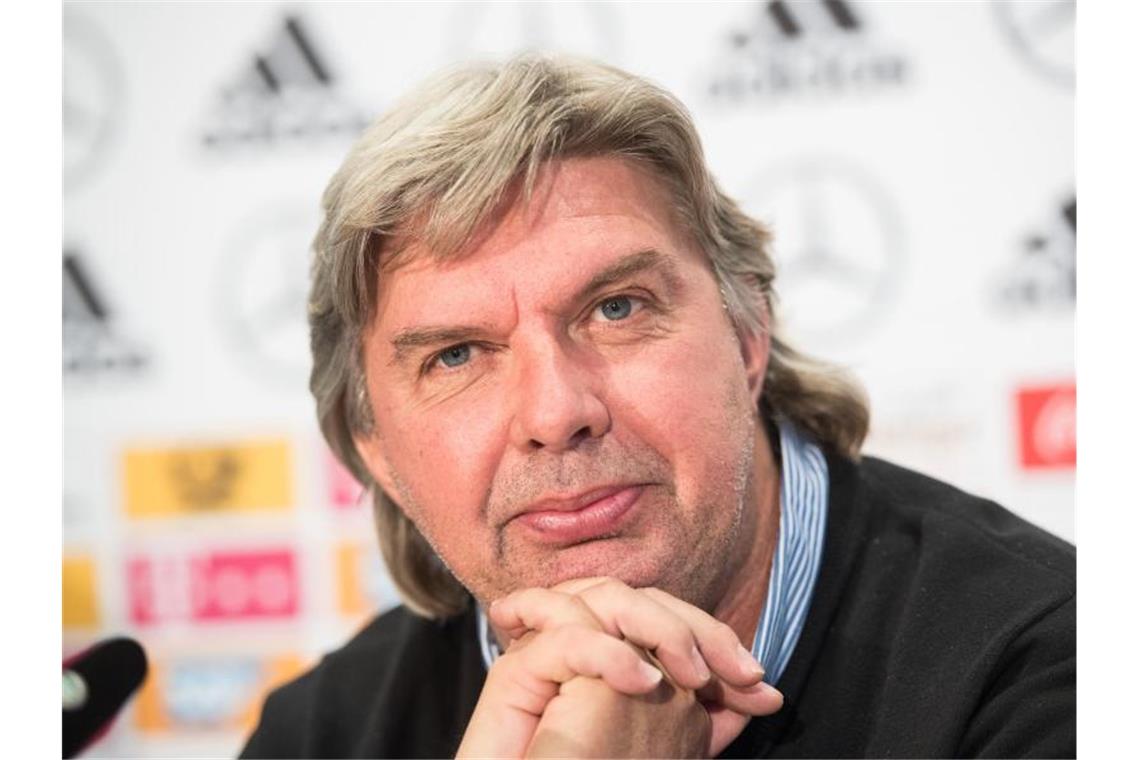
[(557, 406)]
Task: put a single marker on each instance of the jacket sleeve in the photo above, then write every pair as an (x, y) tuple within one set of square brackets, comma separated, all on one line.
[(1029, 709)]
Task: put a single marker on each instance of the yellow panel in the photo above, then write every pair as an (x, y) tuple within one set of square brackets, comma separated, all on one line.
[(150, 715), (350, 592), (80, 605), (245, 476)]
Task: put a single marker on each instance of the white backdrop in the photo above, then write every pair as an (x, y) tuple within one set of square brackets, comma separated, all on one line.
[(915, 161)]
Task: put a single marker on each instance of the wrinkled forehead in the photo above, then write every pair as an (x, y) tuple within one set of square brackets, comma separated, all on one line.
[(594, 185), (581, 216)]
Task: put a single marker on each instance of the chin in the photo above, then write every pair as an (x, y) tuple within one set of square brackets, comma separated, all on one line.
[(613, 558)]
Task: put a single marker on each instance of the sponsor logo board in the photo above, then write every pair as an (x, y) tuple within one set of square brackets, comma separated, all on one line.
[(1043, 274), (584, 28), (191, 480), (1042, 34), (345, 492), (213, 586), (364, 585), (92, 346), (262, 290), (285, 93), (80, 596), (92, 97), (838, 247), (781, 49), (198, 693), (1047, 426)]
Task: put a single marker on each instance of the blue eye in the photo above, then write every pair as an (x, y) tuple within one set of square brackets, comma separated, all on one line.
[(616, 308), (456, 355)]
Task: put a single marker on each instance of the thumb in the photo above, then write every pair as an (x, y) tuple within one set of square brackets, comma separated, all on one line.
[(726, 726)]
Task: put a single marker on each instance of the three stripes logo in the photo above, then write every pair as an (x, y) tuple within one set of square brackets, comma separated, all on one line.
[(839, 18), (90, 345), (821, 47), (1044, 273), (286, 94)]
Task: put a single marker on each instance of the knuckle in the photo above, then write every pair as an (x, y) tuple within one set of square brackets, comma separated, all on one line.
[(568, 636), (585, 613), (724, 634), (658, 594), (680, 633), (611, 584)]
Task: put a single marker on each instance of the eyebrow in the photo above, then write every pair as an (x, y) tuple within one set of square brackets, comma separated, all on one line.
[(627, 266), (407, 341)]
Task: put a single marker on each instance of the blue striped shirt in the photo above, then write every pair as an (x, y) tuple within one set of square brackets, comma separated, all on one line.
[(795, 564)]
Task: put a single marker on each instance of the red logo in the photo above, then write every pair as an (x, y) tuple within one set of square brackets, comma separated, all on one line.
[(1047, 422), (213, 586)]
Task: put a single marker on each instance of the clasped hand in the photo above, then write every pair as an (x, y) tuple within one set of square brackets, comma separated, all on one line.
[(596, 668)]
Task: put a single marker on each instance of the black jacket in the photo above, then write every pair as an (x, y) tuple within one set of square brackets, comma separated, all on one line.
[(941, 625)]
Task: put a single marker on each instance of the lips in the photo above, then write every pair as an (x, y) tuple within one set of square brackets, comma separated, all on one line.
[(598, 513)]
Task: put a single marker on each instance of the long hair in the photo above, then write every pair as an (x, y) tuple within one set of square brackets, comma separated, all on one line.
[(441, 162)]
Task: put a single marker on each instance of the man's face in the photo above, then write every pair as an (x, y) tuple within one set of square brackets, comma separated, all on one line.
[(568, 398)]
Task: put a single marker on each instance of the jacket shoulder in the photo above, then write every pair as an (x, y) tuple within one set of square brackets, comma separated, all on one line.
[(355, 701), (936, 510)]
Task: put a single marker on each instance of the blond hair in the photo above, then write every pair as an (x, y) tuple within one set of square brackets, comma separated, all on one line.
[(440, 164)]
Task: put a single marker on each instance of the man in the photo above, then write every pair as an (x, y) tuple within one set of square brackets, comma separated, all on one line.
[(546, 340)]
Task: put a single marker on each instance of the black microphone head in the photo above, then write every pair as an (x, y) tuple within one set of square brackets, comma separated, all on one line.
[(111, 671)]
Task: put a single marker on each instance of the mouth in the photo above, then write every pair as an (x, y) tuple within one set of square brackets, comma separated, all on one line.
[(599, 513)]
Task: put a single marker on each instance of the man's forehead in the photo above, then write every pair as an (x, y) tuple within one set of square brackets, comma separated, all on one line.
[(584, 215), (565, 188)]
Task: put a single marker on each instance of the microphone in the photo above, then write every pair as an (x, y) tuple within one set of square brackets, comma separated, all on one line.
[(96, 684)]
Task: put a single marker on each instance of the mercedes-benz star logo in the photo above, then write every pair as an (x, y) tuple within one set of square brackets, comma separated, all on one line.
[(263, 291), (585, 28), (1042, 32), (837, 245), (92, 97)]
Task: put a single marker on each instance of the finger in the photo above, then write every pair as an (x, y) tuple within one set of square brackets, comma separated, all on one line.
[(539, 609), (718, 643), (758, 699), (725, 725), (558, 655), (628, 613), (578, 585)]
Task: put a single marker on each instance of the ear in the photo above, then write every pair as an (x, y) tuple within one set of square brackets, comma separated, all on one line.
[(755, 345)]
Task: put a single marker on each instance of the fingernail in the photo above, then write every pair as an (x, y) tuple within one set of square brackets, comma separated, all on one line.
[(773, 693), (650, 673), (748, 662), (699, 663)]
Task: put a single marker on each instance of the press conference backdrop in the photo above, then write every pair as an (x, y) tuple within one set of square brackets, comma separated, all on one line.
[(915, 161)]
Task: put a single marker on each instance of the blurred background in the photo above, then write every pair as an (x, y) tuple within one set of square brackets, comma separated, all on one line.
[(914, 159)]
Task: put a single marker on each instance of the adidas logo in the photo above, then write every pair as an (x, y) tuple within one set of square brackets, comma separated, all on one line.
[(287, 93), (777, 20), (813, 47), (89, 345), (1044, 273)]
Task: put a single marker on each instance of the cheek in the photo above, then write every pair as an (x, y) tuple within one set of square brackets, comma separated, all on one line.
[(446, 458), (688, 399)]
